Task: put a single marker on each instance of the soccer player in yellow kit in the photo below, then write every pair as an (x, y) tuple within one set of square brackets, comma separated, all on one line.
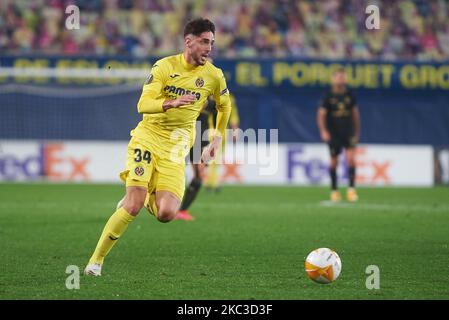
[(171, 100)]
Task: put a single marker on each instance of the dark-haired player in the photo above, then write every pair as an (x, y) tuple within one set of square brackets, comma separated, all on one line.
[(171, 100), (339, 123)]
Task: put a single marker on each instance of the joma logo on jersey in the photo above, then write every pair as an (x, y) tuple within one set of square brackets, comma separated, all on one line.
[(181, 91)]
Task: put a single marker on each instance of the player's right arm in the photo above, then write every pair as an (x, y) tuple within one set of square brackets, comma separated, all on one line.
[(321, 121), (152, 100), (181, 101)]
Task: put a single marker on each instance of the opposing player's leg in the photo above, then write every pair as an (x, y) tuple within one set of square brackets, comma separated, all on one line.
[(191, 192), (197, 180), (335, 149), (351, 193), (193, 188), (115, 227)]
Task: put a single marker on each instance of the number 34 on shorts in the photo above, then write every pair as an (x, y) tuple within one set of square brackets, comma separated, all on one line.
[(139, 169), (139, 164)]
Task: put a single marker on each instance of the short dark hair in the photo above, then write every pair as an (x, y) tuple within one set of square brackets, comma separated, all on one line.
[(198, 26)]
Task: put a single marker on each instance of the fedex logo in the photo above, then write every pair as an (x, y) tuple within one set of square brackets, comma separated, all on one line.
[(311, 165), (315, 169), (57, 166), (47, 160), (371, 171), (13, 167)]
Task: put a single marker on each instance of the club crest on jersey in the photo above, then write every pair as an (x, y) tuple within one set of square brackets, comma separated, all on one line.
[(199, 82), (139, 171)]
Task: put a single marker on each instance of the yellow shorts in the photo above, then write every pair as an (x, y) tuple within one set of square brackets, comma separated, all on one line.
[(146, 169)]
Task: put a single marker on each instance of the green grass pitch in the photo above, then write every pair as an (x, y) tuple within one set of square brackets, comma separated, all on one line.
[(246, 243)]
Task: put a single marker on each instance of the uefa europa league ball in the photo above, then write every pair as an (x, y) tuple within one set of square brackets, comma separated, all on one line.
[(323, 265)]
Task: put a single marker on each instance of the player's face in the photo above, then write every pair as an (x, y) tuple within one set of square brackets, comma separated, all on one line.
[(200, 47), (339, 79)]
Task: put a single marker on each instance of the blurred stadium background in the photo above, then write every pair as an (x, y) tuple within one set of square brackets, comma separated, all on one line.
[(68, 101)]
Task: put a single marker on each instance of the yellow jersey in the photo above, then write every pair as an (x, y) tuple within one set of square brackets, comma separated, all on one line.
[(172, 132)]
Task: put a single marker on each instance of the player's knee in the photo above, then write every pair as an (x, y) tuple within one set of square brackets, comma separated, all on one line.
[(133, 207), (134, 200), (166, 214), (351, 162)]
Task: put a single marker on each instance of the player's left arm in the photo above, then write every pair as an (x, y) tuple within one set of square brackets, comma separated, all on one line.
[(223, 105)]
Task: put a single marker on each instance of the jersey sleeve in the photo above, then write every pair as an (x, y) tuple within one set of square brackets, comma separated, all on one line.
[(151, 99), (223, 104)]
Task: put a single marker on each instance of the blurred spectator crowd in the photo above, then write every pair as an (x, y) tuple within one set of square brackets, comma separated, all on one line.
[(327, 29)]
